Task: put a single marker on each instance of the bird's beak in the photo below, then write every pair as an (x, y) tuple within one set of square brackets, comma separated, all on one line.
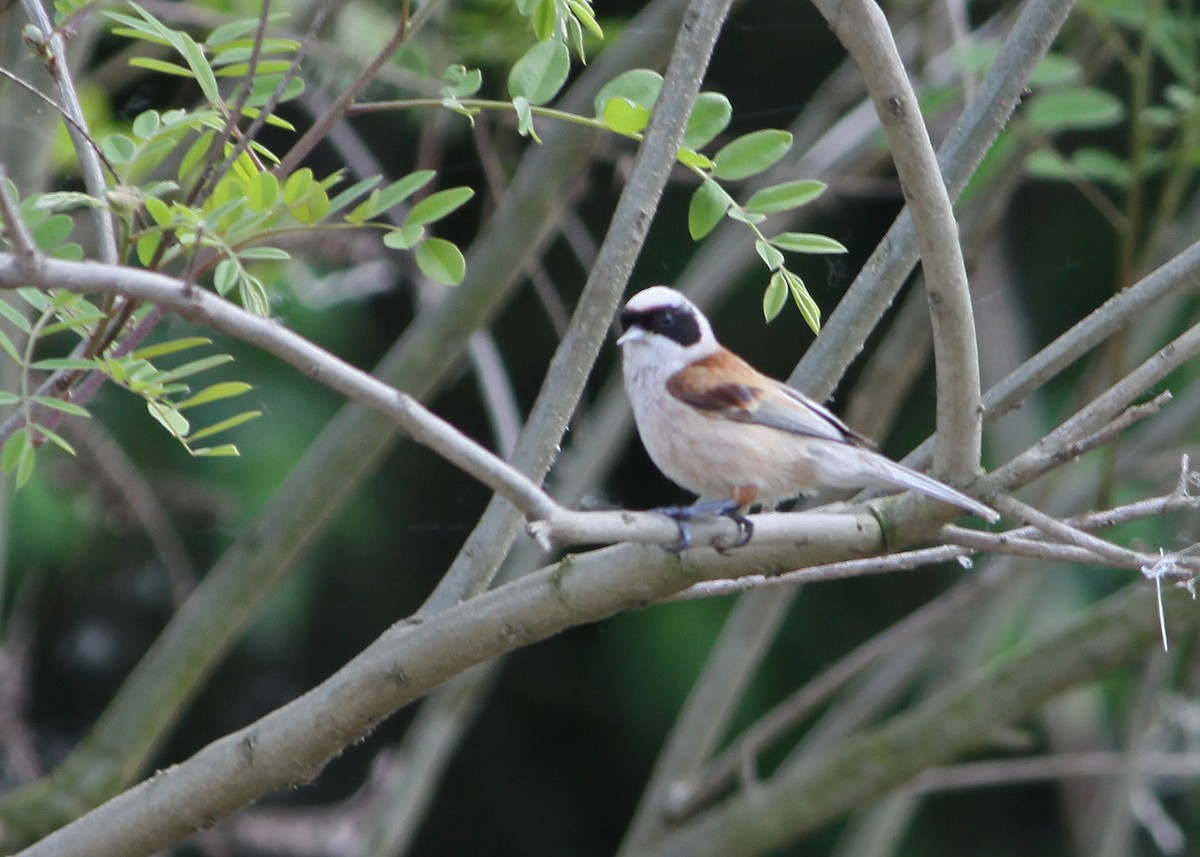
[(633, 334)]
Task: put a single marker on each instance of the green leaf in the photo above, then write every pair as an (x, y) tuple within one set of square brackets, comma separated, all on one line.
[(65, 200), (525, 119), (146, 123), (314, 208), (200, 67), (147, 247), (223, 425), (194, 367), (1056, 70), (690, 158), (8, 398), (6, 344), (1102, 166), (297, 186), (230, 32), (70, 251), (53, 364), (441, 261), (583, 14), (52, 231), (807, 242), (786, 196), (540, 73), (267, 254), (544, 19), (174, 346), (14, 448), (225, 276), (118, 148), (170, 419), (709, 204), (195, 153), (404, 238), (352, 193), (742, 216), (1049, 164), (771, 257), (215, 393), (66, 407), (464, 82), (161, 66), (225, 450), (56, 439), (159, 211), (709, 118), (262, 191), (624, 117), (639, 85), (438, 205), (385, 198), (751, 154), (1078, 108), (14, 315), (775, 296), (804, 302)]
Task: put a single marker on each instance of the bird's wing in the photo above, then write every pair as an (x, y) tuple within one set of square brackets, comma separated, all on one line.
[(723, 386)]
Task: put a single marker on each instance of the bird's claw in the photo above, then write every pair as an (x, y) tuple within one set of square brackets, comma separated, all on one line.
[(682, 515)]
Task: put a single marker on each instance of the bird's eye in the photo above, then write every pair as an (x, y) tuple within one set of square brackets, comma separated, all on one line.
[(666, 318)]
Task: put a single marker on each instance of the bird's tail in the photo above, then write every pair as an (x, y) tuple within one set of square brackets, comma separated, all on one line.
[(889, 472)]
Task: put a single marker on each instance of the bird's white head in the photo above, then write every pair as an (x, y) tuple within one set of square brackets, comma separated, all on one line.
[(660, 324)]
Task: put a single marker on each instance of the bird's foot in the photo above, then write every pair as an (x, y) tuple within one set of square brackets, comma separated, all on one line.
[(682, 516)]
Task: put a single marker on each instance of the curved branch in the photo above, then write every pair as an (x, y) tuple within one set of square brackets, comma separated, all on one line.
[(55, 56), (968, 141), (219, 314), (862, 28)]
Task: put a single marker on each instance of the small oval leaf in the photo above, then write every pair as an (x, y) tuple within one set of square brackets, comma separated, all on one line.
[(709, 118), (625, 117), (775, 296), (539, 75), (441, 261), (786, 196), (1078, 108), (807, 242), (639, 85), (709, 204), (749, 155), (438, 205)]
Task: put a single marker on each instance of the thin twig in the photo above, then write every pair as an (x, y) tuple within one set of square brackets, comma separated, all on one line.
[(15, 229), (219, 314), (208, 183), (54, 53), (1002, 772), (317, 131), (80, 130)]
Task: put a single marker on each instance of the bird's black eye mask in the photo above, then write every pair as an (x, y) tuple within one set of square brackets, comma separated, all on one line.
[(675, 323)]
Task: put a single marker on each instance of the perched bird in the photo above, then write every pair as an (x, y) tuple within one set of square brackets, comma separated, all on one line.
[(720, 428)]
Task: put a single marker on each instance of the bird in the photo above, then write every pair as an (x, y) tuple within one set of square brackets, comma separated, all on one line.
[(733, 436)]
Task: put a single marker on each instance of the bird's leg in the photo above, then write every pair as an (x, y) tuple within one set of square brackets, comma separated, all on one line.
[(682, 515)]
